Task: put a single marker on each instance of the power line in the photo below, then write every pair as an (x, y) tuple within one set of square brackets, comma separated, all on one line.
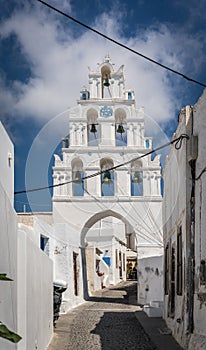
[(122, 45), (177, 142)]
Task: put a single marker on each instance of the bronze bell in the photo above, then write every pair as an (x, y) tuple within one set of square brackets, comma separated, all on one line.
[(137, 178), (77, 177), (107, 178), (106, 81), (120, 129), (93, 128)]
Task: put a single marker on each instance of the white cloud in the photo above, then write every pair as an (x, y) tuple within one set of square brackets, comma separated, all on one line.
[(59, 61)]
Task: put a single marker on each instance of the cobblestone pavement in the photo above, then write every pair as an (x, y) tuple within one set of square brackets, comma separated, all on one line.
[(107, 322)]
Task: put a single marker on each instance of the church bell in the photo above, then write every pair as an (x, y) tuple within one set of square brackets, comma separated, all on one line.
[(93, 129), (107, 178), (120, 129), (77, 177), (106, 81), (137, 178)]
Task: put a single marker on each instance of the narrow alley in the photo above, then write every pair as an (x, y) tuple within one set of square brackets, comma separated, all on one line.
[(111, 320)]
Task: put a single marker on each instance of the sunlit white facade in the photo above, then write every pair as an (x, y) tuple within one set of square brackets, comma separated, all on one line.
[(108, 174)]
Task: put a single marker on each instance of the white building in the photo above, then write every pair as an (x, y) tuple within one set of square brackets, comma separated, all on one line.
[(26, 302), (104, 131), (184, 238)]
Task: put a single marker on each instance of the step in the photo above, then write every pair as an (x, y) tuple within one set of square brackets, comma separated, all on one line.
[(153, 311)]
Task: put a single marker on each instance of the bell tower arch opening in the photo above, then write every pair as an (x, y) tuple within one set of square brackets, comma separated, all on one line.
[(105, 80), (120, 127), (93, 128)]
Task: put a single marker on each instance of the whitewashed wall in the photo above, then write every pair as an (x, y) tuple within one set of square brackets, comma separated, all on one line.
[(8, 238), (8, 265), (150, 279), (176, 213), (35, 293), (198, 339), (7, 163)]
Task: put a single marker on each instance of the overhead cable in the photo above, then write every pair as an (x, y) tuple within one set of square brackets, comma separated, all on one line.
[(177, 142), (122, 45)]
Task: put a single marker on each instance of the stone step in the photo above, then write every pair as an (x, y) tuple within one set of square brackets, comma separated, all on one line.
[(153, 311)]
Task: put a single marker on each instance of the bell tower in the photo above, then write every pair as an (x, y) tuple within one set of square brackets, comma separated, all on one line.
[(106, 80), (106, 130), (103, 181)]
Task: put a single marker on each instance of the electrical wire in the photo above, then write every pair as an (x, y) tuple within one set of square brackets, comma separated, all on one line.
[(202, 172), (147, 231), (122, 45), (177, 142)]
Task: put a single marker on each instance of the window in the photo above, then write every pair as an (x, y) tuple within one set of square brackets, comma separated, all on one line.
[(129, 95), (147, 143), (123, 261), (203, 272), (117, 260), (179, 261), (44, 244), (166, 281)]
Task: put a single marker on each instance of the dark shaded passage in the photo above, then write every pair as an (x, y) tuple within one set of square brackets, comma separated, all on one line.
[(122, 331), (111, 320)]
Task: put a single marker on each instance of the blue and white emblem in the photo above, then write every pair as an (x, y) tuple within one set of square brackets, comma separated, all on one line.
[(106, 112)]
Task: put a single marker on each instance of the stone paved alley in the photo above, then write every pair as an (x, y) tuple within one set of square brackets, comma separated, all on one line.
[(111, 320)]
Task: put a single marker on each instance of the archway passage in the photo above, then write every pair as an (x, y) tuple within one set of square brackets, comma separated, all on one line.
[(105, 239)]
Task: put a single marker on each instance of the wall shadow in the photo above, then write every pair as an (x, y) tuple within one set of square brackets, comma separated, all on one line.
[(128, 295), (122, 331)]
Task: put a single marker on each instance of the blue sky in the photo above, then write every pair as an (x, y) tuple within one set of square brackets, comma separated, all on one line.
[(44, 61)]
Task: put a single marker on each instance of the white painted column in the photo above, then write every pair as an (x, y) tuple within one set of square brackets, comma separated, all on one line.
[(158, 178), (141, 135), (78, 137), (122, 183), (130, 141), (107, 134), (98, 86), (71, 135), (55, 182)]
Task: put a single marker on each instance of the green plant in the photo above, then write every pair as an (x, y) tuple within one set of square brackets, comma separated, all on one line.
[(4, 331)]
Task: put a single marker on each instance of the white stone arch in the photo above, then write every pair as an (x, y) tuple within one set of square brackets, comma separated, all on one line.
[(92, 115), (92, 124), (105, 76), (99, 216), (88, 224), (120, 115)]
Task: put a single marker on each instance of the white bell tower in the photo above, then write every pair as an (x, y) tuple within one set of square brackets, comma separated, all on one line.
[(106, 130)]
